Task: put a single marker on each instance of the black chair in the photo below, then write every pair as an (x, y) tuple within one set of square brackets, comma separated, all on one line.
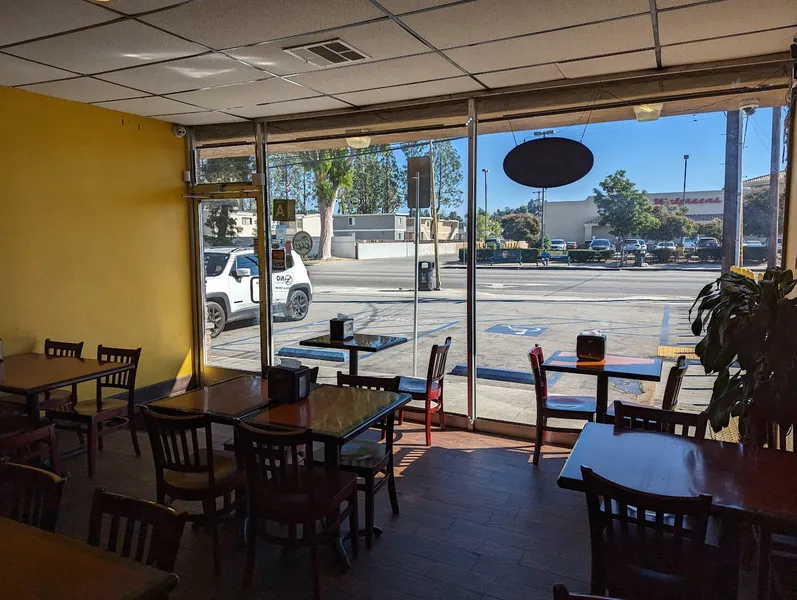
[(671, 391), (30, 495)]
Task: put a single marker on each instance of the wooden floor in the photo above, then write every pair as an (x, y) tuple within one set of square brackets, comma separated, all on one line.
[(478, 521)]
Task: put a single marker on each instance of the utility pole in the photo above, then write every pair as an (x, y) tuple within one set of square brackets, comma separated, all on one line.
[(542, 220), (485, 171), (686, 160), (732, 189), (435, 218), (774, 189)]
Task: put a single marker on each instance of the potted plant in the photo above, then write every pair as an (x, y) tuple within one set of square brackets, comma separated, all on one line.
[(749, 341)]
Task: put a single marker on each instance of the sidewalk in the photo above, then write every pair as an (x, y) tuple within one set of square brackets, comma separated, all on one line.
[(607, 266)]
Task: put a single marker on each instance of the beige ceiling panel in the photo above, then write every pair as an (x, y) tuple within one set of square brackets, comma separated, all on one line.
[(133, 7), (604, 65), (16, 71), (520, 76), (25, 20), (200, 118), (411, 69), (84, 89), (740, 46), (186, 74), (665, 4), (246, 94), (379, 41), (625, 35), (485, 20), (229, 23), (457, 85), (292, 107), (398, 7), (724, 18), (107, 47), (152, 105)]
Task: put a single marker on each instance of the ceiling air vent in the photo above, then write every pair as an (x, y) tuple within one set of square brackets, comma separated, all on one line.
[(327, 54)]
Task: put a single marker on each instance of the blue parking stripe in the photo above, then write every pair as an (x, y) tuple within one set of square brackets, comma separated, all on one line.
[(665, 327)]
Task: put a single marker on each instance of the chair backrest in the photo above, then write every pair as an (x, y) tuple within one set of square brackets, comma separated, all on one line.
[(23, 444), (540, 383), (176, 445), (387, 384), (30, 495), (122, 381), (437, 365), (771, 430), (150, 533), (273, 461), (53, 348), (560, 592), (665, 534), (314, 374), (657, 419), (674, 381)]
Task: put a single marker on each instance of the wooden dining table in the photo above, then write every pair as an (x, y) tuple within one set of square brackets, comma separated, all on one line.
[(39, 565), (612, 365), (361, 342), (32, 374)]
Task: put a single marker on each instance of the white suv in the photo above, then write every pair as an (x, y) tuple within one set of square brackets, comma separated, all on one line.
[(229, 294)]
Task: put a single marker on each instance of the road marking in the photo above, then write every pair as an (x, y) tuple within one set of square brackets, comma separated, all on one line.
[(517, 330)]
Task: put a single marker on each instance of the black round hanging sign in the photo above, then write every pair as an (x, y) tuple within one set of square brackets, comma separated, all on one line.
[(548, 162)]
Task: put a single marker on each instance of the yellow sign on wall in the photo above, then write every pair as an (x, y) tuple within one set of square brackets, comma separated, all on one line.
[(283, 210)]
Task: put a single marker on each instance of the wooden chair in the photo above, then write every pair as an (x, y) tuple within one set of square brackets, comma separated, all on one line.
[(186, 470), (428, 391), (646, 545), (561, 407), (30, 495), (560, 592), (671, 390), (101, 416), (21, 444), (371, 461), (284, 489), (156, 540), (634, 416)]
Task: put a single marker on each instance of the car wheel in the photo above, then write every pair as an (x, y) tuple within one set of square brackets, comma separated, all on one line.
[(298, 305), (216, 316)]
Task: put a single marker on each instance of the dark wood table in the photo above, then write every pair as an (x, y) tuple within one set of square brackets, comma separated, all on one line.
[(225, 401), (625, 367), (36, 564), (361, 342), (31, 374)]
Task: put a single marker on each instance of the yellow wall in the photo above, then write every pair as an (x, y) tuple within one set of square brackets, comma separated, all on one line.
[(93, 232)]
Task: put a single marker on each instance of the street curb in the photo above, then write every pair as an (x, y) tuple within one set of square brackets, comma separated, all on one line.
[(585, 268)]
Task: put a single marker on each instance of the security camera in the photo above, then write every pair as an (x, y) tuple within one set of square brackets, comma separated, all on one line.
[(179, 131), (748, 107)]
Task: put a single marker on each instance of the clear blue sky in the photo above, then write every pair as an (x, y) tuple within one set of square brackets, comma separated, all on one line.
[(651, 153)]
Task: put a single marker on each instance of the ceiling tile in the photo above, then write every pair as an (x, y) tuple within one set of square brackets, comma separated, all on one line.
[(398, 7), (633, 33), (229, 23), (475, 22), (83, 89), (16, 71), (398, 71), (665, 4), (380, 40), (22, 20), (633, 61), (731, 17), (292, 107), (426, 89), (186, 74), (740, 46), (107, 47), (153, 105), (246, 94), (200, 118), (132, 7), (520, 76)]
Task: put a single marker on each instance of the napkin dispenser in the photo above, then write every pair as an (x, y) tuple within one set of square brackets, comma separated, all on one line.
[(591, 345), (341, 328), (288, 384)]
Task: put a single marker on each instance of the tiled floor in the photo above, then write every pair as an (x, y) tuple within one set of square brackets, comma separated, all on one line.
[(478, 521)]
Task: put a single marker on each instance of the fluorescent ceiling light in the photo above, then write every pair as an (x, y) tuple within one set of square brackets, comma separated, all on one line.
[(358, 142), (648, 112)]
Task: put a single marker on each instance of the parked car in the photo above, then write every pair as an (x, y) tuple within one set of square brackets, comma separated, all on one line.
[(635, 245), (708, 242), (572, 246), (600, 244), (558, 244), (753, 244), (665, 246), (228, 287), (586, 245), (780, 243), (494, 243), (689, 243)]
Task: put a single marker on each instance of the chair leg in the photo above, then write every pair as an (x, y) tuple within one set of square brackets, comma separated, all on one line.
[(428, 428), (539, 439), (354, 525), (92, 453), (314, 565), (369, 513), (441, 416), (764, 550), (391, 489), (251, 547), (209, 510), (134, 435), (100, 441), (401, 417)]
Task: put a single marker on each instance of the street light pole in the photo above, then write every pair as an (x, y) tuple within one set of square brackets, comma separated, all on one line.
[(686, 160), (485, 171)]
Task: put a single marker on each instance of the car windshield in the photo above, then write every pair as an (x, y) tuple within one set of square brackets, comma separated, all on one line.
[(215, 263)]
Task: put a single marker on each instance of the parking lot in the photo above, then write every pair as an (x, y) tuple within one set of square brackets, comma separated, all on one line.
[(642, 311)]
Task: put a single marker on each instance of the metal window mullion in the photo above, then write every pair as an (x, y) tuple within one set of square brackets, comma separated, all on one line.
[(471, 259), (264, 247)]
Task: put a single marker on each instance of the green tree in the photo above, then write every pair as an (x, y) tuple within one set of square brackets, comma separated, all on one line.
[(332, 173), (757, 212), (376, 182), (673, 223), (220, 225), (521, 227), (487, 227), (711, 228), (623, 207), (534, 207), (225, 169), (546, 242)]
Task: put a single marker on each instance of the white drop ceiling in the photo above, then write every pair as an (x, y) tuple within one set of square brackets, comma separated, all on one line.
[(218, 61)]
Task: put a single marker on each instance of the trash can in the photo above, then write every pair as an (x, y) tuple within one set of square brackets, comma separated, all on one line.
[(638, 258), (426, 276)]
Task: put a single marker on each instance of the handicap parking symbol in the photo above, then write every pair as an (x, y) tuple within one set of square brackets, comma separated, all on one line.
[(520, 330)]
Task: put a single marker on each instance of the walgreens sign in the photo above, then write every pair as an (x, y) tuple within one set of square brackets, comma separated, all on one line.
[(681, 201)]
